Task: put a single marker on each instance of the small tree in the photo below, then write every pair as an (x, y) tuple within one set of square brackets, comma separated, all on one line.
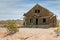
[(11, 27)]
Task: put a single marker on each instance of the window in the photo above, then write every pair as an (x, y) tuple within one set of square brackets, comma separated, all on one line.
[(30, 20), (44, 20), (37, 11)]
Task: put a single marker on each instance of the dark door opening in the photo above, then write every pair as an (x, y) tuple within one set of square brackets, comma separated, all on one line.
[(36, 21)]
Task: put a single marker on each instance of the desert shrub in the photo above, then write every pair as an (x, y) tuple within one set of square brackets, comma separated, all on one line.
[(57, 31), (11, 27)]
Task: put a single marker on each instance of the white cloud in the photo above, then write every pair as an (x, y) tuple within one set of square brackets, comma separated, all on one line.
[(14, 7), (11, 8)]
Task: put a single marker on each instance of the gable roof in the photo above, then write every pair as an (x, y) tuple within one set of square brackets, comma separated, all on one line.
[(37, 5)]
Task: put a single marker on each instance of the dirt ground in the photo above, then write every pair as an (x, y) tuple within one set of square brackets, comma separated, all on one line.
[(30, 34)]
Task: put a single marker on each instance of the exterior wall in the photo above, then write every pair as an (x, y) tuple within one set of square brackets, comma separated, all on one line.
[(50, 22)]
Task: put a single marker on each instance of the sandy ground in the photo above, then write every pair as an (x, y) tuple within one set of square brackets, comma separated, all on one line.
[(30, 34)]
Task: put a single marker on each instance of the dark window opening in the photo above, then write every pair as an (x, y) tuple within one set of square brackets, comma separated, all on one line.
[(37, 11), (44, 20), (36, 21), (30, 20)]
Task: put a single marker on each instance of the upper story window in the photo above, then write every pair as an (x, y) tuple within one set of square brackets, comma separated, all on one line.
[(37, 11)]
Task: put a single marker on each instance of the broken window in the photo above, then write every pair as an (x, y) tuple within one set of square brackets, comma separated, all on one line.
[(37, 11)]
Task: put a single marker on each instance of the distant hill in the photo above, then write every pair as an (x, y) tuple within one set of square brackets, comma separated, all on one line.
[(58, 20), (17, 22)]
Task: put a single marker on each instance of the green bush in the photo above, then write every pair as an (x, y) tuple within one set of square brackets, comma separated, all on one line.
[(11, 27), (57, 31)]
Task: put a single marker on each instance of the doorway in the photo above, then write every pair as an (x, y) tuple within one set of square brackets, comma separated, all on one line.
[(36, 21)]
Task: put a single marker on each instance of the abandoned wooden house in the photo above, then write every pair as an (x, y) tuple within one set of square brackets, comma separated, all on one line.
[(39, 16)]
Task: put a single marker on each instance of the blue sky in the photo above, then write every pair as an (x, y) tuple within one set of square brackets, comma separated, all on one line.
[(14, 9)]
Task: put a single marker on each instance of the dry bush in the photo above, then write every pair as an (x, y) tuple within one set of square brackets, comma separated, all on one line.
[(11, 27)]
